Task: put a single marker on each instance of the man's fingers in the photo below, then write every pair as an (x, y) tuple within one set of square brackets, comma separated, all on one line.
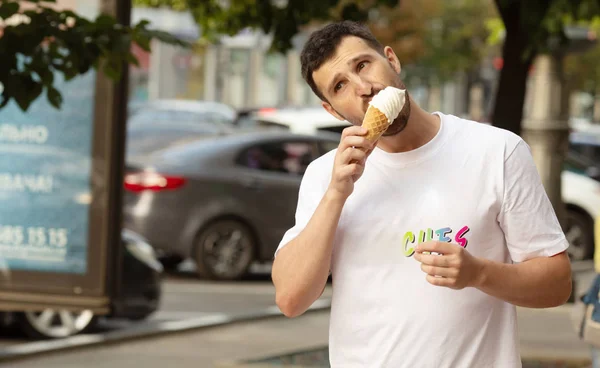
[(439, 271), (354, 130), (356, 142), (437, 247), (353, 155), (433, 260), (441, 281), (349, 171)]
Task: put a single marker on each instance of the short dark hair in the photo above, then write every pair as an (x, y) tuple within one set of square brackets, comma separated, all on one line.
[(321, 46)]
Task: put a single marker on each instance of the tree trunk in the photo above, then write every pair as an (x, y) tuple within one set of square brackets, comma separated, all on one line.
[(512, 86), (546, 124), (519, 18), (596, 106)]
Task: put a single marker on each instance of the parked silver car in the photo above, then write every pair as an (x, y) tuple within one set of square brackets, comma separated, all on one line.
[(224, 201)]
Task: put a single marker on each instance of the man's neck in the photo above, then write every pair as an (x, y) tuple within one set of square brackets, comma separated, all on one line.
[(421, 128)]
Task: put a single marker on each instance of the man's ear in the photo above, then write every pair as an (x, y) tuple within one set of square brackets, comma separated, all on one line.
[(390, 55), (331, 110)]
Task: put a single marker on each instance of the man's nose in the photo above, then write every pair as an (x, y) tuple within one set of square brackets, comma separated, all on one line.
[(363, 87)]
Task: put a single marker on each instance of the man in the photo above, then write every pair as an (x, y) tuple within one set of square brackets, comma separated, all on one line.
[(432, 235)]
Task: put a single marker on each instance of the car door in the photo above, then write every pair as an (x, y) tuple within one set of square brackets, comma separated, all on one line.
[(270, 180)]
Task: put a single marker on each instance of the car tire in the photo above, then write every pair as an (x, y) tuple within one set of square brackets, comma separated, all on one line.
[(224, 250), (55, 324), (580, 234), (170, 263)]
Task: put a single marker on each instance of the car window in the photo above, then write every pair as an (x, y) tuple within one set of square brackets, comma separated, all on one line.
[(575, 163), (327, 146), (595, 154), (284, 157), (335, 128), (589, 151), (578, 148)]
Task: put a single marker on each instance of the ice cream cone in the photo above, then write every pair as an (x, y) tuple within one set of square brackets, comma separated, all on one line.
[(376, 123)]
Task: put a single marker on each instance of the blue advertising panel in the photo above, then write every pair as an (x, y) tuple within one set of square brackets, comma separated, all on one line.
[(45, 181)]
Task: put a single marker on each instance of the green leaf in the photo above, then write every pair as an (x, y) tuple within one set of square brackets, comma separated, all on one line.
[(112, 68), (22, 101), (54, 97), (131, 59), (142, 24), (9, 9), (142, 39), (34, 91), (162, 36), (106, 21), (177, 5)]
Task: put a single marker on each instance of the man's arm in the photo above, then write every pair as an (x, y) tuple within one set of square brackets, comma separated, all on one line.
[(540, 282), (301, 267), (541, 274)]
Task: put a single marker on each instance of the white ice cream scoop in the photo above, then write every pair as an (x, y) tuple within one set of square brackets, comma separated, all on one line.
[(389, 101)]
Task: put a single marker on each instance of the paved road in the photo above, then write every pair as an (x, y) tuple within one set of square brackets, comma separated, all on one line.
[(185, 296)]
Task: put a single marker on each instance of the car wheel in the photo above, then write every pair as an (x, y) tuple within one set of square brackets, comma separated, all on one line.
[(224, 250), (54, 324), (580, 234), (170, 263)]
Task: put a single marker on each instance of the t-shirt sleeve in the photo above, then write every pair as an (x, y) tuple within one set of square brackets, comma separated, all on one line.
[(527, 217), (312, 189)]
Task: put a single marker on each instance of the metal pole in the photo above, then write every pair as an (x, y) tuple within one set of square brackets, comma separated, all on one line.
[(111, 110)]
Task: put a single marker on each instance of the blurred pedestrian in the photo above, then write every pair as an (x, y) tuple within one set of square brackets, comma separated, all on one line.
[(589, 321), (432, 235)]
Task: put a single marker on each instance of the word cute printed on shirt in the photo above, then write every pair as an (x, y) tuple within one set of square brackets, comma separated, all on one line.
[(409, 241)]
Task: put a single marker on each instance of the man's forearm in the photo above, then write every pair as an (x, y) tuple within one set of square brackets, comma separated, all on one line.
[(301, 268), (538, 283)]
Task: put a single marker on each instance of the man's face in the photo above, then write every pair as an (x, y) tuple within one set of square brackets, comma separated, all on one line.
[(351, 78)]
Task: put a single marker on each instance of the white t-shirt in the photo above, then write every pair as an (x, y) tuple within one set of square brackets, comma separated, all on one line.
[(473, 185)]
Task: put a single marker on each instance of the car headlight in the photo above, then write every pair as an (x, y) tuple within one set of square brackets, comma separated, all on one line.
[(144, 253)]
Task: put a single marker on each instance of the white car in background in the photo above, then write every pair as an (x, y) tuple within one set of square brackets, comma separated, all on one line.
[(301, 120), (581, 193)]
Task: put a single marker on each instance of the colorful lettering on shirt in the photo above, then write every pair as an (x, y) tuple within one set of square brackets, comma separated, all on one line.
[(409, 237), (441, 233), (408, 240), (425, 235), (460, 236)]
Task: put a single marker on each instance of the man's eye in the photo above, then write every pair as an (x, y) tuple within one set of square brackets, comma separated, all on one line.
[(338, 86), (362, 65)]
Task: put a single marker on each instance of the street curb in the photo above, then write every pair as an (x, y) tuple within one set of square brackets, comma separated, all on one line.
[(138, 332), (259, 363)]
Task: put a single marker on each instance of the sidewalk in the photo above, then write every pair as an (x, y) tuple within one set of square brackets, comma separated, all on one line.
[(204, 348), (545, 334)]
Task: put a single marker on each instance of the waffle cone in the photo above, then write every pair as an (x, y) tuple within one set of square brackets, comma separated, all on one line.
[(376, 123)]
